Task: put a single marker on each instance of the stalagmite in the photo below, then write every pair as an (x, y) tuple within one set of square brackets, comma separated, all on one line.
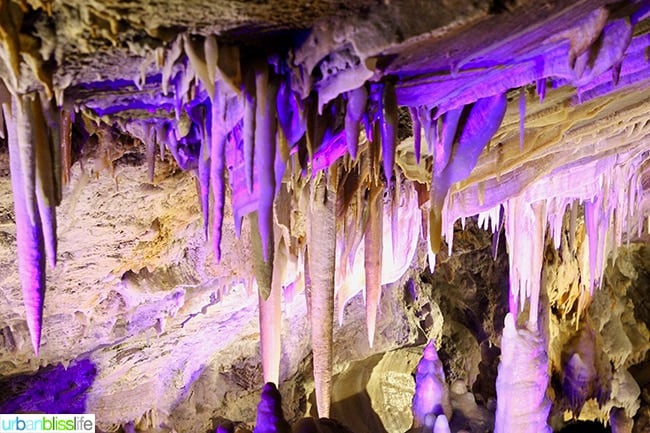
[(269, 307), (389, 118), (265, 148), (270, 418), (431, 398), (29, 236), (373, 256), (441, 425), (620, 421), (321, 245), (522, 404), (356, 105)]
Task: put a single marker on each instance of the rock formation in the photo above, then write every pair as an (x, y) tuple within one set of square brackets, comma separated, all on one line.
[(191, 192)]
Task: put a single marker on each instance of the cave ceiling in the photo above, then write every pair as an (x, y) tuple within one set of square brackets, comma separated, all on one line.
[(175, 158)]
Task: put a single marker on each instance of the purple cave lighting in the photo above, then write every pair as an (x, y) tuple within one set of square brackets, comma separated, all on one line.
[(301, 133), (431, 405), (53, 389), (270, 418), (35, 169)]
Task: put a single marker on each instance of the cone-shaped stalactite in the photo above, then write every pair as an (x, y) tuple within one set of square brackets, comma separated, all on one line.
[(29, 230), (270, 314), (321, 244), (356, 106), (265, 148), (218, 137), (373, 243), (465, 133)]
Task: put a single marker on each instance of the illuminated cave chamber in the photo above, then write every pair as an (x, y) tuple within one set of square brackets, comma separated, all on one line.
[(409, 216)]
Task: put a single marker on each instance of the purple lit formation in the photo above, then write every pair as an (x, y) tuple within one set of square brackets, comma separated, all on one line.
[(271, 131)]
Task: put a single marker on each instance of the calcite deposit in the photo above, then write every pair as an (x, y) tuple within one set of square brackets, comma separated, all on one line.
[(240, 215)]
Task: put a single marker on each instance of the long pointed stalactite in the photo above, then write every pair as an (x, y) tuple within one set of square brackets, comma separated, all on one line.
[(373, 251), (269, 306), (29, 229), (321, 245)]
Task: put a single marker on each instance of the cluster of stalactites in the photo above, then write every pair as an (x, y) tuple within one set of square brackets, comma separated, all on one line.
[(283, 153), (609, 197), (38, 145)]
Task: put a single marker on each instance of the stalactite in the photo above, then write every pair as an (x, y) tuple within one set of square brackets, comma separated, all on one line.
[(229, 67), (417, 133), (29, 235), (290, 115), (439, 184), (10, 41), (265, 148), (453, 163), (150, 149), (173, 53), (203, 172), (195, 52), (596, 224), (573, 218), (218, 170), (389, 118), (45, 181), (211, 49), (394, 212), (52, 118), (525, 230), (321, 245), (541, 89), (522, 117), (26, 154), (356, 105), (269, 307), (250, 108), (373, 256)]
